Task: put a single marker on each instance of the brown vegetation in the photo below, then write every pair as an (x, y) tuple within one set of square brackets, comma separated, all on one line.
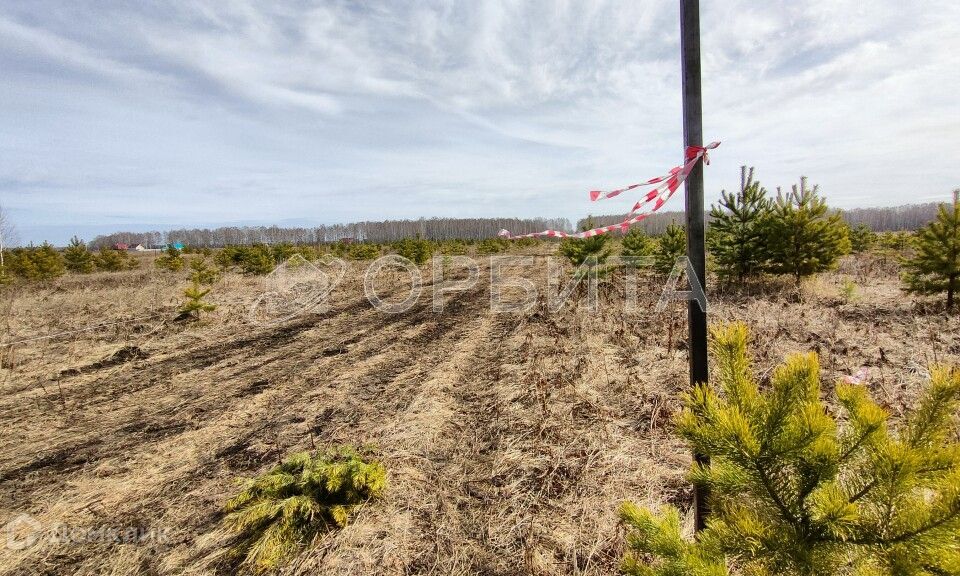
[(510, 439)]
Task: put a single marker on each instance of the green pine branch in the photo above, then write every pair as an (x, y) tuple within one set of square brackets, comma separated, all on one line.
[(799, 488)]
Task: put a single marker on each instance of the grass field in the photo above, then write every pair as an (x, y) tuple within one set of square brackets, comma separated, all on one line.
[(510, 438)]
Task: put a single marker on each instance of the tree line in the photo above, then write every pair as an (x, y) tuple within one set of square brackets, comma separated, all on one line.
[(886, 219), (368, 231)]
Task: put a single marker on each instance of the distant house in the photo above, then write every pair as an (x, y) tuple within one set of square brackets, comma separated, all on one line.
[(177, 245), (137, 248), (120, 246)]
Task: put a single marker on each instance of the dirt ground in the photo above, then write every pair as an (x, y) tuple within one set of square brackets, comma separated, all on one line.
[(510, 438)]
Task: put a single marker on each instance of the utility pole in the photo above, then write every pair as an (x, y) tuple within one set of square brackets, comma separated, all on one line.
[(693, 187)]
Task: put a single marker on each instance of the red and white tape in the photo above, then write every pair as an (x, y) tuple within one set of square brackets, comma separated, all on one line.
[(666, 185)]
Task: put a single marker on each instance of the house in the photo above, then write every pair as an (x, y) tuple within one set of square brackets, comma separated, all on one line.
[(137, 248), (177, 245), (120, 246)]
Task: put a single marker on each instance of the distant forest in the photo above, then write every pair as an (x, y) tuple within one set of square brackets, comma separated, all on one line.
[(385, 231), (892, 219), (908, 217)]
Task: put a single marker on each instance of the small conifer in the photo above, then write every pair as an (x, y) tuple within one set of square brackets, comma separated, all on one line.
[(77, 258), (636, 247), (736, 234), (935, 268), (798, 487), (801, 236), (672, 245), (195, 303)]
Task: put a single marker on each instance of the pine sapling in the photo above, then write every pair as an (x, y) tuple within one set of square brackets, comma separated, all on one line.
[(201, 273), (77, 258), (798, 487), (592, 252), (171, 260), (637, 247), (736, 234), (195, 303), (935, 268), (801, 236), (673, 245)]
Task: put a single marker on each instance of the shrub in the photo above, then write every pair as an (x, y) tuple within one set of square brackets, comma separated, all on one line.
[(797, 489), (452, 247), (672, 245), (172, 260), (363, 251), (77, 258), (636, 246), (281, 252), (848, 290), (257, 260), (110, 260), (801, 237), (935, 268), (736, 234), (277, 513), (37, 263), (895, 240), (493, 246), (592, 251), (862, 238), (417, 250), (527, 242)]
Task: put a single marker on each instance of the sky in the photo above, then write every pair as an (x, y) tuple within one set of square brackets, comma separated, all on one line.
[(156, 115)]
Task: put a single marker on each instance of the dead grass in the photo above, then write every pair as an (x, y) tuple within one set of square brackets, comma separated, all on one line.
[(510, 439)]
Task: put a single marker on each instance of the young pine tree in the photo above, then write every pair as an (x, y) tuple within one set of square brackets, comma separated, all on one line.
[(202, 273), (257, 260), (736, 234), (593, 251), (862, 238), (172, 260), (799, 488), (801, 236), (19, 262), (47, 262), (417, 250), (636, 247), (672, 245), (935, 268), (110, 260), (77, 258), (195, 303)]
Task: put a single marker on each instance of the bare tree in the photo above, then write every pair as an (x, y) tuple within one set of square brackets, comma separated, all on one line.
[(8, 234)]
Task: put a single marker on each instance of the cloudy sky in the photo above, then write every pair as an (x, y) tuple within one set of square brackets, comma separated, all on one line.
[(152, 115)]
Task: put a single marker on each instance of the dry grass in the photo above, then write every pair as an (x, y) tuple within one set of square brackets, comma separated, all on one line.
[(510, 439)]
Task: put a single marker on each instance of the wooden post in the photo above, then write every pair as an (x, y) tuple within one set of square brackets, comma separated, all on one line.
[(693, 186)]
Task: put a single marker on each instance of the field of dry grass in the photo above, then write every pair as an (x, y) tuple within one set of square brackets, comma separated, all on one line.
[(510, 438)]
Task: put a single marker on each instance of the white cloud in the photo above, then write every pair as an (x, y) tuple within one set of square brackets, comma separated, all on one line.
[(517, 106)]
